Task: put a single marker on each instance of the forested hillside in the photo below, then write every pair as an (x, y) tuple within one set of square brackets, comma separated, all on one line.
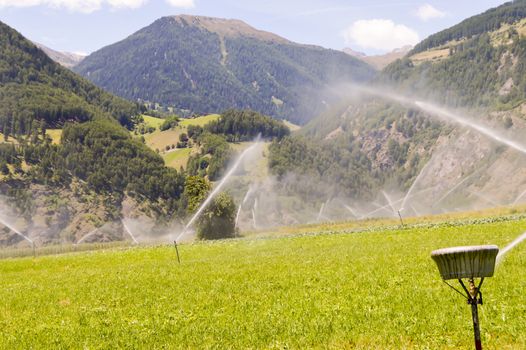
[(64, 190), (208, 65), (33, 87), (476, 67), (488, 21)]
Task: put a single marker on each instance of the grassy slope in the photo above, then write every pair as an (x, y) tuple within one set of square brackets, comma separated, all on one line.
[(362, 290), (201, 121), (158, 140), (55, 135), (152, 121), (175, 159)]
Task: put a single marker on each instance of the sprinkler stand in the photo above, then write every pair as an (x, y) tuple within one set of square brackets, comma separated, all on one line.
[(400, 216), (177, 251), (468, 263)]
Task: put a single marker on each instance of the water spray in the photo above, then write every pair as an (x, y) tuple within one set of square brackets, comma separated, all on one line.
[(320, 213), (485, 198), (482, 129), (519, 197), (510, 246), (414, 210), (468, 263), (447, 115), (390, 203), (351, 210), (254, 223), (13, 229), (413, 185), (395, 202), (83, 238), (219, 186), (460, 183), (249, 192), (127, 229)]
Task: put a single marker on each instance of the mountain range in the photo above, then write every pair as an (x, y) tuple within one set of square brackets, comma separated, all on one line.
[(66, 59), (473, 71), (207, 65), (379, 61)]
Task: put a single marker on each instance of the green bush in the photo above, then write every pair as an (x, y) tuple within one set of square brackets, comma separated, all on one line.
[(219, 219)]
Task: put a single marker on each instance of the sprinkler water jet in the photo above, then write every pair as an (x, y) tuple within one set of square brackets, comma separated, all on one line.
[(219, 186)]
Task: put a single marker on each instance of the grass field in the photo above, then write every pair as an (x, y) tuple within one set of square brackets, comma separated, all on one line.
[(200, 121), (158, 140), (292, 127), (177, 158), (152, 121), (376, 290), (55, 135)]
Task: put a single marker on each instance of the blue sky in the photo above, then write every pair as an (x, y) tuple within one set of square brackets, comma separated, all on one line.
[(372, 26)]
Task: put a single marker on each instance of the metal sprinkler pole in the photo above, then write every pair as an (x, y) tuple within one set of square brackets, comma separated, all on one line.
[(177, 251), (474, 297), (468, 263), (474, 301), (400, 216)]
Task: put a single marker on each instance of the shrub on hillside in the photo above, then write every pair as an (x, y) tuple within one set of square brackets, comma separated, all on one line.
[(219, 219)]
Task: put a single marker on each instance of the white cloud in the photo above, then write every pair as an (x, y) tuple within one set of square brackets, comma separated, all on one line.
[(379, 34), (181, 3), (127, 3), (84, 6), (427, 12)]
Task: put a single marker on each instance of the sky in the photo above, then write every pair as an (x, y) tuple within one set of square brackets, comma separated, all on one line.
[(369, 26)]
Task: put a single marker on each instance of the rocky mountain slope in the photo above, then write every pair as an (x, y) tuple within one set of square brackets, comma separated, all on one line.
[(207, 65), (474, 69), (379, 61), (66, 59)]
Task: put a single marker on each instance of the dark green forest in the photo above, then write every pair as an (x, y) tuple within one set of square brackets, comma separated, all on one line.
[(96, 148), (490, 20), (177, 63), (239, 126), (34, 88), (471, 77)]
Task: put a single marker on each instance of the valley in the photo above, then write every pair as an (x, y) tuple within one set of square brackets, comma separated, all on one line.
[(199, 182)]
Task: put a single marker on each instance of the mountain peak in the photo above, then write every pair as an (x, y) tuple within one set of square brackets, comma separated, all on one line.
[(354, 53), (227, 27), (380, 61), (66, 59)]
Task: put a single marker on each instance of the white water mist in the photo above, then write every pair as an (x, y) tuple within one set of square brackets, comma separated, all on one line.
[(510, 246), (127, 229), (219, 186)]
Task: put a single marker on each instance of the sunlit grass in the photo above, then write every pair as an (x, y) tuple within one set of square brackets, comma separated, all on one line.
[(177, 158), (361, 290), (200, 121), (55, 135), (152, 121)]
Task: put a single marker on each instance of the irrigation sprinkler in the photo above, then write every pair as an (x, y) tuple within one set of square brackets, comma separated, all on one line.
[(177, 251), (400, 216), (468, 263)]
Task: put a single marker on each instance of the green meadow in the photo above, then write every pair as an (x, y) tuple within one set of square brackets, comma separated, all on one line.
[(318, 289)]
